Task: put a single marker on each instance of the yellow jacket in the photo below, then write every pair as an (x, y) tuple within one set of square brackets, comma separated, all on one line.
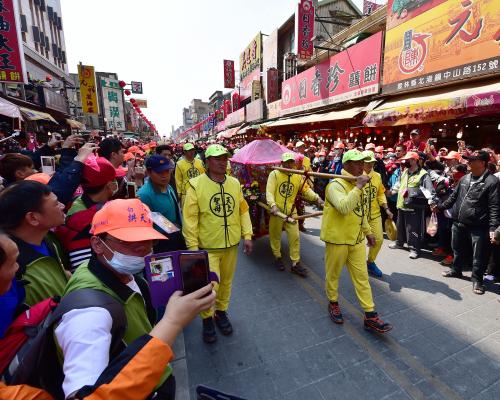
[(184, 171), (282, 189), (344, 216), (375, 194), (306, 163), (215, 214)]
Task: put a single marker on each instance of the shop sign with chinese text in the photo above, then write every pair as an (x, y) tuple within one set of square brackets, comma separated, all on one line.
[(229, 74), (304, 29), (113, 104), (351, 74), (251, 57), (141, 103), (88, 89), (440, 41), (12, 68), (250, 66), (136, 87)]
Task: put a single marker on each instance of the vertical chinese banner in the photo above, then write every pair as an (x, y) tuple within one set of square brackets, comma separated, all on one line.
[(304, 26), (113, 104), (228, 74), (87, 89), (12, 68), (272, 85)]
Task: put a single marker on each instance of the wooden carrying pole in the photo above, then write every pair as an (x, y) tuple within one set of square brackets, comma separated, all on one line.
[(316, 174), (285, 217), (305, 216)]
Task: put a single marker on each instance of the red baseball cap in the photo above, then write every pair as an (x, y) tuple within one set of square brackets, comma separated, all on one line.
[(452, 155), (97, 171)]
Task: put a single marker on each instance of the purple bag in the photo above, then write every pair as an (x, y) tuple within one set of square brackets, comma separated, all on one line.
[(164, 274)]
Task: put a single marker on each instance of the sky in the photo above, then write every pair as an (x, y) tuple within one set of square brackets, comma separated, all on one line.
[(175, 48)]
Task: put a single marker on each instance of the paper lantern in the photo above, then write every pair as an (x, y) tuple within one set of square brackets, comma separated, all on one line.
[(122, 84), (128, 92)]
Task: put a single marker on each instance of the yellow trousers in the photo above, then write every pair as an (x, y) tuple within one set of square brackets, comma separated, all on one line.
[(378, 232), (292, 233), (338, 255), (223, 263)]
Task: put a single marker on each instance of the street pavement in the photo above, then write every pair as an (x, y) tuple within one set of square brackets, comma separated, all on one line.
[(445, 343)]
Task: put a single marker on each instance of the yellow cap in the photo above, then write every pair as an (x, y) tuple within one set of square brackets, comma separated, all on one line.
[(188, 146), (215, 150), (287, 157)]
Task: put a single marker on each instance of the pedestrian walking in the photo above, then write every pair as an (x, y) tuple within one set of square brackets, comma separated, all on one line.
[(281, 192), (374, 192), (187, 167), (475, 211), (412, 203), (343, 229), (216, 217)]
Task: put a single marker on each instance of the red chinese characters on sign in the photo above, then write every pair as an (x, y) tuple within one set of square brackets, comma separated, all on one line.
[(350, 74), (305, 29), (460, 20), (228, 74), (11, 53)]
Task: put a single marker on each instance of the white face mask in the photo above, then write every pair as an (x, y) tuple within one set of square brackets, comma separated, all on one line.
[(125, 264)]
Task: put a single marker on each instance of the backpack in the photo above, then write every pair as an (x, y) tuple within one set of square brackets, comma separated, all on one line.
[(28, 352)]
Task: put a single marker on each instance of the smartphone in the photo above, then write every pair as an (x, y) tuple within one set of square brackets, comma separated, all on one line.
[(195, 271), (131, 190), (48, 164)]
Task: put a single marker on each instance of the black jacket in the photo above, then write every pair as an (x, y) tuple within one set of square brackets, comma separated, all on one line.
[(476, 205)]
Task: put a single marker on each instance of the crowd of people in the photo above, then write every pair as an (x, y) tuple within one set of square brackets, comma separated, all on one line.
[(443, 199), (82, 231)]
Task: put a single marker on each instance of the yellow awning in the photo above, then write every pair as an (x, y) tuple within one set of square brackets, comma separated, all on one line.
[(324, 117), (439, 105), (33, 115), (75, 124)]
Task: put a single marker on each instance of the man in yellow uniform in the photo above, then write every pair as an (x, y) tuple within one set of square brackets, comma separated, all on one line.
[(343, 229), (300, 147), (216, 217), (187, 167), (374, 192), (281, 190)]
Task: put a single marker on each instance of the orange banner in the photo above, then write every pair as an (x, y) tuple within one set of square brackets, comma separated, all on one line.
[(452, 41)]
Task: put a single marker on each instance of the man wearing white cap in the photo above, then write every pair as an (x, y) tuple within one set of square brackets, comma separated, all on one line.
[(281, 190), (187, 167)]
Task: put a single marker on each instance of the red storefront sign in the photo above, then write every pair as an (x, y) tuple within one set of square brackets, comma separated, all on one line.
[(304, 29), (272, 85), (228, 74), (353, 73), (12, 68)]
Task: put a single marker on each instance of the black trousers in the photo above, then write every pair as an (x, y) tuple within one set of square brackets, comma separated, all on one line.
[(411, 228), (470, 243), (494, 263)]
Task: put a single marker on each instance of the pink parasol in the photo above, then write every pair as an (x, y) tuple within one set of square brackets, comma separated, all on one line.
[(261, 152)]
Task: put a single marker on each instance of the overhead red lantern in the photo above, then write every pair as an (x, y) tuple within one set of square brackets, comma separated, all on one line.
[(128, 92), (122, 84), (132, 100)]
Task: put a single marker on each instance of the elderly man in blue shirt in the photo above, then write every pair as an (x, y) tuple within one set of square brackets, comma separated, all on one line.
[(160, 197)]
